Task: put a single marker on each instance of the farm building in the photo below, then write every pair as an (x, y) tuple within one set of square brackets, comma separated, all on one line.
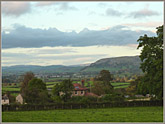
[(5, 100), (19, 99), (79, 90)]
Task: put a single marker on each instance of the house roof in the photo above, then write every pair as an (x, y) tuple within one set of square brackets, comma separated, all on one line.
[(91, 94), (78, 86), (5, 97)]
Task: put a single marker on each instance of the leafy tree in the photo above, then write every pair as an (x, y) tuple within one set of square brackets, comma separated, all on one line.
[(56, 90), (152, 63), (36, 92), (102, 84), (132, 89), (65, 87), (98, 88), (105, 76), (26, 78)]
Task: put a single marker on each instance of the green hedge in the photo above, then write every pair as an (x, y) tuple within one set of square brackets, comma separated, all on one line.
[(27, 107)]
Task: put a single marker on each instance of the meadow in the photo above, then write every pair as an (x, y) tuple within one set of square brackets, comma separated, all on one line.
[(120, 114)]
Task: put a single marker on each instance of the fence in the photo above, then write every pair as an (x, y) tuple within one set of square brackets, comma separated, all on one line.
[(27, 107)]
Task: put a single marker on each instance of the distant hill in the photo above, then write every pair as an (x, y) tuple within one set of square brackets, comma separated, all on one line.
[(20, 69), (126, 65), (119, 65)]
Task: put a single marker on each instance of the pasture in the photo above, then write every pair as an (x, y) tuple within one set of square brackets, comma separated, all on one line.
[(116, 114)]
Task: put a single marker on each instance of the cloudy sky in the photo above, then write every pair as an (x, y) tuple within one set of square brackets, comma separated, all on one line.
[(72, 33)]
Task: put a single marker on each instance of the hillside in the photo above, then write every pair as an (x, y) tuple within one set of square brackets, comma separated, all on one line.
[(126, 65)]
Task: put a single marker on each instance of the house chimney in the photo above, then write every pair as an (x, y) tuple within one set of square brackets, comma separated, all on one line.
[(82, 83)]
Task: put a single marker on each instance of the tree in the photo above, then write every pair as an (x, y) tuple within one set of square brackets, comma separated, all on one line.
[(105, 76), (102, 84), (65, 87), (26, 78), (36, 92), (152, 63), (132, 89), (98, 88)]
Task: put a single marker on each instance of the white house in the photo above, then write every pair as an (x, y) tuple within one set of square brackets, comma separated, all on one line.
[(19, 99), (5, 100)]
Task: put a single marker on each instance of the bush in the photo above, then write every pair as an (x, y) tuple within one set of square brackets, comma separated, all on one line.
[(83, 99), (111, 98), (57, 99)]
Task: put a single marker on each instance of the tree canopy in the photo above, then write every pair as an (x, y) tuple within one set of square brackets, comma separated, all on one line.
[(152, 63), (36, 92), (102, 84), (25, 80), (65, 87)]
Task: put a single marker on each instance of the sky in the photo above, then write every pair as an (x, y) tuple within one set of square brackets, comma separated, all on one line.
[(73, 33)]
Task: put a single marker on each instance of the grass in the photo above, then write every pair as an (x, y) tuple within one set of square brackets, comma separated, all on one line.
[(127, 114), (10, 89), (120, 83)]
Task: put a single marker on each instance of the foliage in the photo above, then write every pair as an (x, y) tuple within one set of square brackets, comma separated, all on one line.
[(83, 99), (133, 88), (36, 92), (102, 84), (104, 76), (152, 63), (99, 88), (112, 98), (65, 88), (26, 78), (11, 97)]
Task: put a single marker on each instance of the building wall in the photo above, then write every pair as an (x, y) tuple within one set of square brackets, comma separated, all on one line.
[(78, 93), (19, 99), (6, 101)]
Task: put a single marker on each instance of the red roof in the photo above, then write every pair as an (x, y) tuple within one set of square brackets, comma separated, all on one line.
[(78, 86), (91, 94)]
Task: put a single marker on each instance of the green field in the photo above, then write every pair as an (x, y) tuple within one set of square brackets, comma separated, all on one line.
[(4, 89), (51, 84), (127, 114)]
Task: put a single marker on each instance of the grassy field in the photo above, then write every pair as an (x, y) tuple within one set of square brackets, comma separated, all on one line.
[(129, 114)]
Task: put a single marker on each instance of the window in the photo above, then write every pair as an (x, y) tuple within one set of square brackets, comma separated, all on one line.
[(81, 91), (75, 92)]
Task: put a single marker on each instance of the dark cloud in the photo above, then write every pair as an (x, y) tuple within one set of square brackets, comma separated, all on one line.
[(143, 13), (112, 12), (27, 37), (15, 8)]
